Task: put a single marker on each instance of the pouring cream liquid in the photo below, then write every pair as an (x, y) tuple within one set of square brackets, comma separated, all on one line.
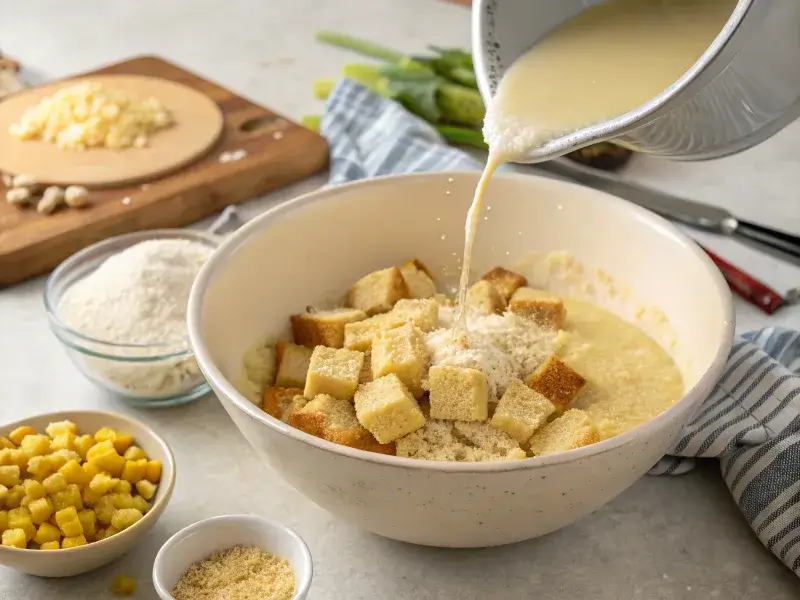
[(603, 63)]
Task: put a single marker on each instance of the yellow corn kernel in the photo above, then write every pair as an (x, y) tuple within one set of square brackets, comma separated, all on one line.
[(125, 517), (63, 441), (33, 489), (88, 521), (104, 509), (123, 487), (104, 434), (41, 467), (74, 473), (9, 475), (105, 457), (5, 457), (15, 538), (146, 489), (6, 443), (19, 434), (68, 522), (134, 453), (15, 496), (123, 586), (153, 472), (140, 504), (50, 546), (90, 469), (72, 542), (3, 520), (121, 501), (69, 497), (35, 445), (82, 444), (102, 483), (20, 518), (47, 533), (134, 470), (19, 458), (25, 501), (89, 497), (55, 483), (62, 457), (41, 510), (123, 442), (60, 427)]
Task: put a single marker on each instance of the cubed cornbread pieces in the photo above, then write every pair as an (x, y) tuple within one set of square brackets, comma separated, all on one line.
[(544, 310), (324, 328), (459, 441), (418, 278), (334, 372), (458, 393), (293, 361), (281, 402), (377, 292), (260, 363), (483, 297), (401, 351), (387, 409), (521, 411), (423, 313), (556, 381), (506, 282), (335, 420), (571, 430)]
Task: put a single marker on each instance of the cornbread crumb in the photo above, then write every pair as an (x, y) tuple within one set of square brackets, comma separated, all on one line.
[(458, 394), (424, 313), (401, 351), (324, 328), (546, 311), (293, 362), (521, 411), (506, 282), (334, 372), (387, 409), (459, 441), (571, 430), (556, 381), (238, 573)]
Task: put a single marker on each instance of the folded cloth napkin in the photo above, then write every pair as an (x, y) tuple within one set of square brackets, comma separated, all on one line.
[(752, 420)]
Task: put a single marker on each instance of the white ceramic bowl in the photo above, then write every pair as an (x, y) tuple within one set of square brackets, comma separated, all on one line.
[(311, 249), (201, 540), (74, 561)]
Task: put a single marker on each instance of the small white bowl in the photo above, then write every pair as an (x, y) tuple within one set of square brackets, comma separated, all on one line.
[(74, 561), (199, 541)]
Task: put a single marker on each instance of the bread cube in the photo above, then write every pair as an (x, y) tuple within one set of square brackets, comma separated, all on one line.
[(544, 310), (15, 538), (68, 522), (365, 376), (50, 546), (15, 496), (401, 351), (571, 430), (41, 467), (60, 427), (139, 503), (69, 497), (6, 443), (260, 363), (3, 495), (506, 282), (126, 517), (63, 441), (54, 483), (82, 444), (280, 402), (423, 313), (33, 489), (20, 518), (556, 381), (123, 442), (35, 445), (134, 453), (418, 279), (146, 489), (121, 501), (386, 408), (105, 457), (458, 393), (335, 420), (122, 487), (88, 521), (105, 434), (75, 473), (41, 510), (293, 361), (19, 434), (9, 475), (73, 542), (153, 472), (3, 520), (104, 509), (47, 533), (521, 411), (361, 334), (483, 297), (61, 457), (377, 292), (324, 328), (334, 372), (19, 458), (134, 470)]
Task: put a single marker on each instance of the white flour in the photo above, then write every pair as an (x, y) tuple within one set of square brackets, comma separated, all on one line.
[(139, 296)]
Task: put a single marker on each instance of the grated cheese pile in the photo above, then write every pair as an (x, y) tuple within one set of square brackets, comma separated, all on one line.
[(90, 115)]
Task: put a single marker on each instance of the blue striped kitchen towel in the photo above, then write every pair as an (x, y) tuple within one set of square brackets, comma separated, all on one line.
[(752, 420)]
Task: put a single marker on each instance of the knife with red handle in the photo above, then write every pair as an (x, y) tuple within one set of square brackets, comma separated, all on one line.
[(749, 288)]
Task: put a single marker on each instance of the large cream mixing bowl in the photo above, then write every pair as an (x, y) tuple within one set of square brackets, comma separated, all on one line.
[(311, 249)]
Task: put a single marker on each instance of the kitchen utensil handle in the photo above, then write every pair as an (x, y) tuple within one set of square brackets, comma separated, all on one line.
[(784, 242), (748, 287)]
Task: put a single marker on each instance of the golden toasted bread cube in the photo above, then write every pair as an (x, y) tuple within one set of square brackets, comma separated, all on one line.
[(324, 328), (458, 393), (377, 292), (365, 376), (69, 497), (88, 521), (35, 445), (59, 427), (361, 334), (20, 518), (506, 282), (556, 381), (126, 517), (6, 443), (334, 372), (104, 509), (123, 442), (46, 533), (134, 453), (483, 297), (102, 483), (444, 300), (121, 501), (73, 542), (90, 497), (82, 443), (15, 538), (105, 433), (9, 475), (280, 402), (3, 495), (293, 361), (146, 489), (139, 503), (61, 457), (418, 278), (15, 496), (55, 483), (489, 443), (571, 430), (424, 313), (123, 487), (544, 310), (260, 363), (402, 351), (34, 489), (68, 522), (50, 546), (63, 441), (104, 456), (134, 470), (387, 409), (19, 434), (335, 420), (19, 458), (41, 510), (153, 473), (75, 473), (41, 466), (521, 411)]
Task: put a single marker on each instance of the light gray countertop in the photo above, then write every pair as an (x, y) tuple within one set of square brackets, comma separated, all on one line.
[(676, 538)]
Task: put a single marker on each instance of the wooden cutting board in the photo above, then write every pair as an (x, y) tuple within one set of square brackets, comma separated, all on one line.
[(273, 150)]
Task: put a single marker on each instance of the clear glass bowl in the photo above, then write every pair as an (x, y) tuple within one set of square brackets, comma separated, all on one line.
[(148, 376)]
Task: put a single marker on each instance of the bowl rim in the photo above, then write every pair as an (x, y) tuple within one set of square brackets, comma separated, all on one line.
[(152, 515), (301, 587), (61, 330), (242, 236)]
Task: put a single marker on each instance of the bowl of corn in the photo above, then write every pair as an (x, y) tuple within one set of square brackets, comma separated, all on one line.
[(78, 490)]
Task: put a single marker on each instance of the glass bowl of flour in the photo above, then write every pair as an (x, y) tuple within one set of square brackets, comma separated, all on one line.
[(119, 308)]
